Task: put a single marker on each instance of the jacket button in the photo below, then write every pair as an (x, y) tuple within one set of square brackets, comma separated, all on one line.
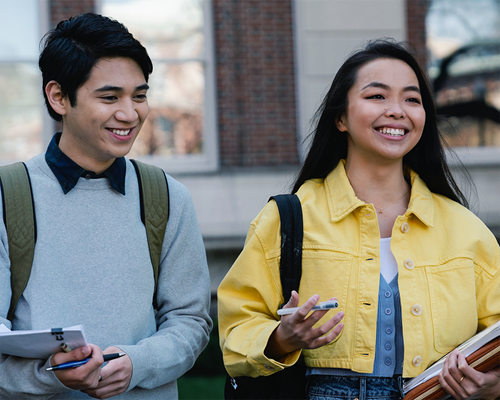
[(416, 309), (417, 361), (268, 367), (405, 227), (409, 264)]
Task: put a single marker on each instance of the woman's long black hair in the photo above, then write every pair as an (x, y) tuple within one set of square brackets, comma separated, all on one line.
[(329, 145)]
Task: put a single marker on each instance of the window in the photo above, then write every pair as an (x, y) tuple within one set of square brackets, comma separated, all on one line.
[(464, 45), (22, 114), (179, 134)]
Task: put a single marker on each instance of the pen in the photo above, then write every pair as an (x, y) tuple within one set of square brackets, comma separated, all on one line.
[(325, 305), (74, 364)]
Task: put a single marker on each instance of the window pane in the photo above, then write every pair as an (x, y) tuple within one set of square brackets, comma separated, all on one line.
[(464, 44), (175, 122), (173, 33), (168, 29), (19, 30), (20, 111)]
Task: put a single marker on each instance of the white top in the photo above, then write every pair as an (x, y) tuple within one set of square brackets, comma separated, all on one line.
[(388, 264)]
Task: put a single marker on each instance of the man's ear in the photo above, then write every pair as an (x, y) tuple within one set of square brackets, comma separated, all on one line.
[(339, 123), (57, 101)]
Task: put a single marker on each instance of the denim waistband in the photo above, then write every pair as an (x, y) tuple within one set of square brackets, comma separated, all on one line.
[(328, 387)]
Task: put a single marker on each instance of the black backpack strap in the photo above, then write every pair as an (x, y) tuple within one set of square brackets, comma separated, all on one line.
[(292, 233), (19, 219), (290, 383), (154, 198)]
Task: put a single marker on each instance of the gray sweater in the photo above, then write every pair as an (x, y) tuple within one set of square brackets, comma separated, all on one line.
[(92, 267)]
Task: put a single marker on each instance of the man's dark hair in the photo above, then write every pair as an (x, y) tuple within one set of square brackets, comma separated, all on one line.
[(329, 145), (71, 50)]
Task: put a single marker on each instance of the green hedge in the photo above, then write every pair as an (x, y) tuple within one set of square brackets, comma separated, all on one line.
[(201, 387)]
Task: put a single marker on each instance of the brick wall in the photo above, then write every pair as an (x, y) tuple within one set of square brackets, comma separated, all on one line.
[(416, 11), (63, 9), (255, 75), (255, 82)]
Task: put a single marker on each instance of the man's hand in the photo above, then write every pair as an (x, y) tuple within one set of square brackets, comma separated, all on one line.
[(115, 376), (83, 377), (463, 382), (296, 331)]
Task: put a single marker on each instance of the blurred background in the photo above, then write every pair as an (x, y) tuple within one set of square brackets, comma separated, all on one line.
[(235, 85)]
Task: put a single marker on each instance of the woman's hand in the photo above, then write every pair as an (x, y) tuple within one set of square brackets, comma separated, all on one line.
[(463, 382), (296, 331)]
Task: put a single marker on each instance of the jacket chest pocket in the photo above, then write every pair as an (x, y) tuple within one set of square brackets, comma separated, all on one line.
[(453, 303), (326, 274)]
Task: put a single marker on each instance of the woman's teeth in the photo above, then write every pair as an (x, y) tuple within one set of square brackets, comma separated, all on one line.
[(392, 131)]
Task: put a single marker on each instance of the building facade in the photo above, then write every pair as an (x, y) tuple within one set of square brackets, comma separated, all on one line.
[(235, 86)]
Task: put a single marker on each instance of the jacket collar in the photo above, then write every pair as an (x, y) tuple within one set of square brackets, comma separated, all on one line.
[(342, 200)]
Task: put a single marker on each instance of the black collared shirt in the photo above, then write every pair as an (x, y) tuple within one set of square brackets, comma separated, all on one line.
[(68, 172)]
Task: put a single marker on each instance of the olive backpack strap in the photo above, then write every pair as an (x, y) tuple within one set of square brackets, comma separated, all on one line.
[(291, 382), (154, 197), (19, 219)]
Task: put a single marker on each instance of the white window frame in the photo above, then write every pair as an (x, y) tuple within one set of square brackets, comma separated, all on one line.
[(208, 160)]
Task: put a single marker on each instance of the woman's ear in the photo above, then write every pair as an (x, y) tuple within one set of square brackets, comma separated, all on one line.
[(339, 123), (57, 101)]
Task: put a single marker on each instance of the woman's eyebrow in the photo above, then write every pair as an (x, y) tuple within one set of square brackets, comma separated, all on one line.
[(410, 88), (378, 85)]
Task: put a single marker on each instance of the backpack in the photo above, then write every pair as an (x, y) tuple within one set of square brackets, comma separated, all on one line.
[(291, 382), (20, 221)]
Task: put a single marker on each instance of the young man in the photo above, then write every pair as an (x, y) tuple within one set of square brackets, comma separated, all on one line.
[(92, 264)]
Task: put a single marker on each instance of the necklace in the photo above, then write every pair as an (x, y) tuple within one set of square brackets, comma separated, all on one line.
[(380, 210)]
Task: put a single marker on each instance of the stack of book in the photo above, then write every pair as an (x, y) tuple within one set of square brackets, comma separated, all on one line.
[(482, 352)]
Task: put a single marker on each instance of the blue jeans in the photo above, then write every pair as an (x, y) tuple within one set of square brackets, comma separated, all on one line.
[(329, 387)]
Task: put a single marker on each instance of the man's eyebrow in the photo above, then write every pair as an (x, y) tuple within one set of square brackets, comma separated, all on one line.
[(111, 88), (142, 87), (410, 88)]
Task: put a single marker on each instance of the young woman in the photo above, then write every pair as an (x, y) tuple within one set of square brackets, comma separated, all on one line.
[(387, 233)]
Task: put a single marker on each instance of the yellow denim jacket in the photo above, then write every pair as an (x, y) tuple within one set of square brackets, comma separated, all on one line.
[(449, 279)]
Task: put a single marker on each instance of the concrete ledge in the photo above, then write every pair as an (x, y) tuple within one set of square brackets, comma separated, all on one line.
[(474, 156), (227, 202)]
